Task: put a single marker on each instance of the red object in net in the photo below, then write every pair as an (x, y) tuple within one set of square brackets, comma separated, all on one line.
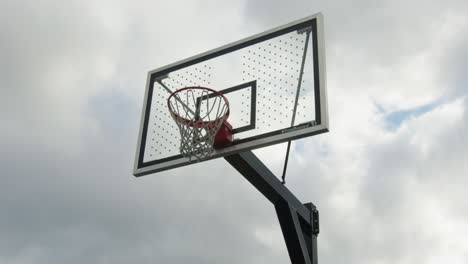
[(224, 136)]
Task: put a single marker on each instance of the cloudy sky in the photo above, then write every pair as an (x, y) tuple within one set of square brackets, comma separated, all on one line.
[(389, 179)]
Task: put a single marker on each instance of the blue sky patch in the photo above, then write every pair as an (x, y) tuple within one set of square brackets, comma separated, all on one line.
[(397, 118)]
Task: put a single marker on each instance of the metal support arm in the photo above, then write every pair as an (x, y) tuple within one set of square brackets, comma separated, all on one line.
[(299, 222)]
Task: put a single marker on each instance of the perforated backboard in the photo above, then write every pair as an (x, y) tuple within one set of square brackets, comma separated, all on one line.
[(275, 84)]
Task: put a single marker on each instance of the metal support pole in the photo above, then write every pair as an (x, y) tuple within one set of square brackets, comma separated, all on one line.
[(299, 222)]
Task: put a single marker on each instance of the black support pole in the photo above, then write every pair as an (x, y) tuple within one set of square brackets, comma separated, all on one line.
[(299, 222)]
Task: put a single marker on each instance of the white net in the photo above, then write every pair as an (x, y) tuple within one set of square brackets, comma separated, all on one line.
[(199, 113)]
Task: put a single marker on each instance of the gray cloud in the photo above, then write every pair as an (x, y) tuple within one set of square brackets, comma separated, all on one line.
[(398, 46), (68, 194), (89, 208)]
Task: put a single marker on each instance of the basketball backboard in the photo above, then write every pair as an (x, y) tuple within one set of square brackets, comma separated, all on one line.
[(274, 82)]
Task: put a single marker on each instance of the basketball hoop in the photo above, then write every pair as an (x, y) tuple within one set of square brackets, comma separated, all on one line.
[(199, 113)]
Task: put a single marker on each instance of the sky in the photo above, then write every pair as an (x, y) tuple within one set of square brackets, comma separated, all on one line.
[(388, 179)]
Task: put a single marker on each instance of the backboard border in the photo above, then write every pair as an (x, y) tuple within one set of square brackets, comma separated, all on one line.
[(303, 130)]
